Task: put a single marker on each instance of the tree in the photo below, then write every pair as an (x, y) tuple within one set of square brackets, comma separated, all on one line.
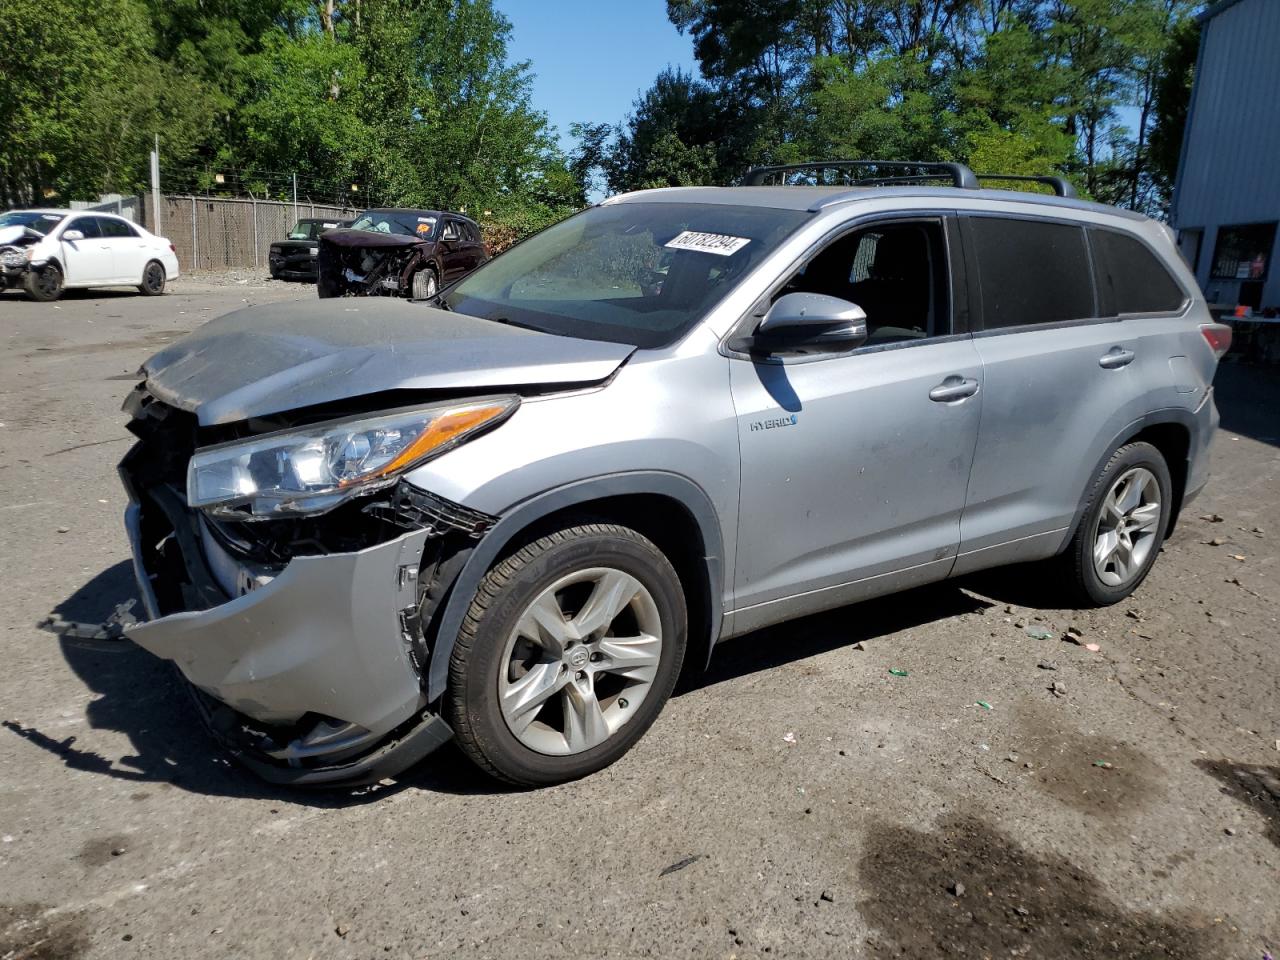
[(678, 135), (1172, 101), (84, 95)]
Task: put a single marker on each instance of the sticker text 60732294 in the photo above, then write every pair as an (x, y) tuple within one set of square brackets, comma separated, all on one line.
[(717, 243)]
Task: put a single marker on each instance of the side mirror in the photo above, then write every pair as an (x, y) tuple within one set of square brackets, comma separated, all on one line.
[(72, 235), (812, 320)]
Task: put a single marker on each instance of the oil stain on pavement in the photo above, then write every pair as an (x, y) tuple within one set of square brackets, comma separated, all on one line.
[(966, 889), (1256, 786), (1089, 772)]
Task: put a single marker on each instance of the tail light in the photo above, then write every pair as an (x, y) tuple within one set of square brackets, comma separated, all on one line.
[(173, 248), (1218, 336)]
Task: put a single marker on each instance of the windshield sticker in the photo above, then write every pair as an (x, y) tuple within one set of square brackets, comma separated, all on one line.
[(426, 219), (50, 216), (718, 243), (328, 226)]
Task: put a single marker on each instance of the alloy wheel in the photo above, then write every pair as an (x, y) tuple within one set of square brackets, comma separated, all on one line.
[(1127, 527), (581, 660), (153, 277)]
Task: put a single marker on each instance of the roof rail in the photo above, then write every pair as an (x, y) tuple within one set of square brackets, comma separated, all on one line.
[(957, 173), (1061, 186)]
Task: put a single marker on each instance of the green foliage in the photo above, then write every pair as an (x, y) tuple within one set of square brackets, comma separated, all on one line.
[(413, 101), (1009, 86), (83, 96), (1172, 100)]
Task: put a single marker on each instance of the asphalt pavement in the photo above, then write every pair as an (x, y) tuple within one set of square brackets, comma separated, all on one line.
[(1003, 792)]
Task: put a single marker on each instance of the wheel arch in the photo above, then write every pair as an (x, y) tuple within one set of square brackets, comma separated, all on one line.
[(671, 510), (149, 261), (1169, 431)]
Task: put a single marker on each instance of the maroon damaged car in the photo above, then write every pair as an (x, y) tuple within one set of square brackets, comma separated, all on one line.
[(398, 253)]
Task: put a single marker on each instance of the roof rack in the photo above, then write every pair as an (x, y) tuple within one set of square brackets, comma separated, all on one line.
[(1061, 185), (959, 174)]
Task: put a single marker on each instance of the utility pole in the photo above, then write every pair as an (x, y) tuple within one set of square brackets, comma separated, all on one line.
[(295, 198), (155, 188)]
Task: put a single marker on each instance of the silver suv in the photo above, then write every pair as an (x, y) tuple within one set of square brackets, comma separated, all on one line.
[(511, 514)]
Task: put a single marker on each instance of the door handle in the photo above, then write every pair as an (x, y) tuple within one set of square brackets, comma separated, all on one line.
[(952, 389), (1116, 357)]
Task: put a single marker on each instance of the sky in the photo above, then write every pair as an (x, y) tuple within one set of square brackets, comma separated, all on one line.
[(592, 58)]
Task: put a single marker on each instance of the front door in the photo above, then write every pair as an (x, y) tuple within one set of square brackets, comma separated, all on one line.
[(854, 467), (87, 260)]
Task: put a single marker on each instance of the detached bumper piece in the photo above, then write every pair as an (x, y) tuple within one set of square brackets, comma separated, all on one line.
[(304, 644)]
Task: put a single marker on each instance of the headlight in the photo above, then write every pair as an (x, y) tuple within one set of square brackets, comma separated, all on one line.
[(315, 469), (275, 250)]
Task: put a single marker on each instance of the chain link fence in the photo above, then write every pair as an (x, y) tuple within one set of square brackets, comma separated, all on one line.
[(212, 234)]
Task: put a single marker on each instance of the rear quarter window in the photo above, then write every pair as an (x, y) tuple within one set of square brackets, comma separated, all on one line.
[(1131, 279), (1031, 271)]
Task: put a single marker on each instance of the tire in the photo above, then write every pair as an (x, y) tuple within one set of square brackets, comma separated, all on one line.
[(1130, 502), (425, 284), (611, 589), (153, 279), (44, 284)]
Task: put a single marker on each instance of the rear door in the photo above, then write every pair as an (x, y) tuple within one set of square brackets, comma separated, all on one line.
[(87, 260), (129, 253), (1056, 373)]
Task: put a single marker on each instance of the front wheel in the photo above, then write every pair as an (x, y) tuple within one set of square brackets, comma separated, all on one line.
[(153, 279), (44, 284), (1123, 526), (425, 284), (570, 649)]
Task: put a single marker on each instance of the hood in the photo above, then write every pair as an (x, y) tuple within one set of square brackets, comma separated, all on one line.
[(11, 235), (283, 356), (347, 237)]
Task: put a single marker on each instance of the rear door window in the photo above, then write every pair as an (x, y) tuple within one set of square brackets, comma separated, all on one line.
[(1131, 279), (111, 227), (1031, 272)]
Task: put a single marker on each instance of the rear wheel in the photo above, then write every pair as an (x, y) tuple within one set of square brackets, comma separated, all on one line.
[(425, 284), (569, 651), (44, 284), (1123, 526), (153, 279)]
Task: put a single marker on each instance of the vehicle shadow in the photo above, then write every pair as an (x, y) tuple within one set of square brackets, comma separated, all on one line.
[(143, 698), (1248, 397), (842, 627)]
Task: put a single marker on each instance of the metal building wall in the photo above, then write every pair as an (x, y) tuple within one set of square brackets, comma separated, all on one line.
[(1230, 168)]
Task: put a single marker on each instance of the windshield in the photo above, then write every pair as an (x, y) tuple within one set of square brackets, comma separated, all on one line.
[(311, 229), (637, 273), (39, 222), (402, 223)]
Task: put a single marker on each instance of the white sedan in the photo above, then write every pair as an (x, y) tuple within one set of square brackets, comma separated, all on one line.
[(48, 251)]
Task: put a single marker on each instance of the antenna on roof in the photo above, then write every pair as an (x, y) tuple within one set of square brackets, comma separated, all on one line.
[(957, 173)]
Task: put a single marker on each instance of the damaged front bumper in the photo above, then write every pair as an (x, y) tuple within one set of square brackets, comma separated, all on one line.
[(305, 641), (307, 678)]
